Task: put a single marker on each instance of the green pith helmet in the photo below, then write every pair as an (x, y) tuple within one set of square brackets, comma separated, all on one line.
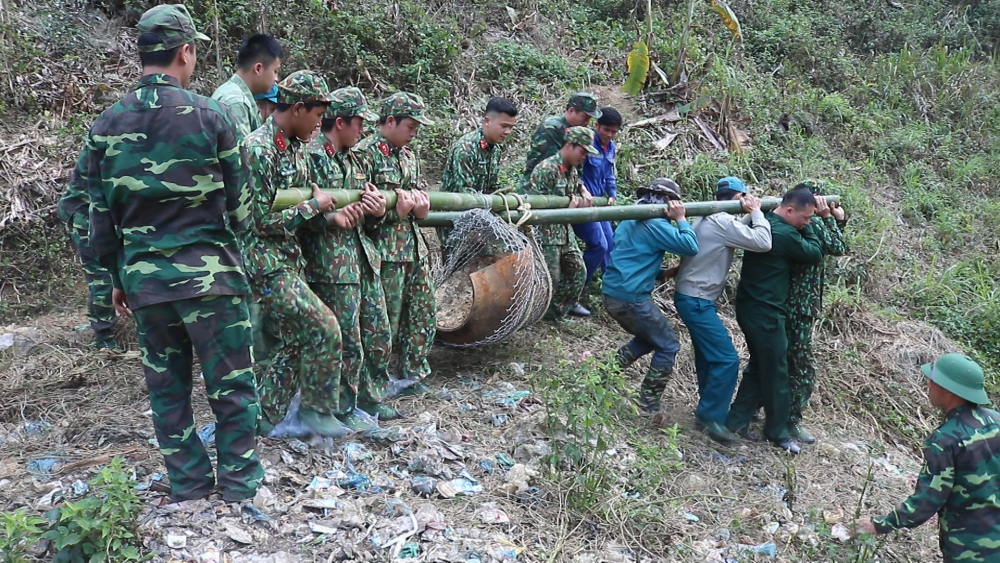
[(960, 375)]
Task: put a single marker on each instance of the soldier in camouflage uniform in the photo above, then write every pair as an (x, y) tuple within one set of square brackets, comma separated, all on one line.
[(257, 66), (343, 265), (473, 164), (961, 473), (306, 357), (74, 209), (557, 175), (550, 135), (805, 299), (409, 296), (167, 205)]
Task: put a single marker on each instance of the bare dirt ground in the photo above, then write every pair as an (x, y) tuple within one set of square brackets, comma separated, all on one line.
[(65, 410)]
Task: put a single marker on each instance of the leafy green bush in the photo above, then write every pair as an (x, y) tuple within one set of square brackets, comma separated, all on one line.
[(20, 532), (102, 526)]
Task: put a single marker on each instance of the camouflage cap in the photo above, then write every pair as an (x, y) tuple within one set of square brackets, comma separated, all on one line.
[(303, 86), (349, 102), (271, 95), (403, 104), (172, 24), (582, 136), (585, 102)]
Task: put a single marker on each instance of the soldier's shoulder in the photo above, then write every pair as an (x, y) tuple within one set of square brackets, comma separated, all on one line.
[(259, 141), (316, 146)]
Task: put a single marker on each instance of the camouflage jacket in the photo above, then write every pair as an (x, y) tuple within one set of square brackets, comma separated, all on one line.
[(959, 483), (75, 199), (236, 96), (168, 195), (473, 165), (333, 255), (553, 177), (388, 167), (805, 296), (276, 163), (546, 141)]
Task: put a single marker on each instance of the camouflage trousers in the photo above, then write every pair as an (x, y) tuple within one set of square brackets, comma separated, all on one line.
[(569, 276), (410, 306), (306, 356), (100, 312), (367, 341), (801, 367), (218, 328)]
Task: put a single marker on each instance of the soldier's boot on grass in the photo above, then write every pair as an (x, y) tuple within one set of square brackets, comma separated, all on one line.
[(716, 431), (796, 432), (323, 424), (380, 411), (354, 422), (652, 388)]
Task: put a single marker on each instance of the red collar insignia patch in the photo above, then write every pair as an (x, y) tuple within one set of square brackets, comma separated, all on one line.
[(383, 148), (483, 144), (562, 168), (280, 142), (328, 147)]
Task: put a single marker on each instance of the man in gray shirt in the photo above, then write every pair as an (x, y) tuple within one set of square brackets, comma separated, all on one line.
[(700, 281)]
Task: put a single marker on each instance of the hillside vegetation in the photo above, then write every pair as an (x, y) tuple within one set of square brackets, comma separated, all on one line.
[(895, 105)]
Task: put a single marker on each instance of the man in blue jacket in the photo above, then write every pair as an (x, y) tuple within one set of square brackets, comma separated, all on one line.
[(629, 281), (599, 178)]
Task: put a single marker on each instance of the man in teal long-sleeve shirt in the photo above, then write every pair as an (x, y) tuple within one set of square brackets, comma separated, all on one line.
[(761, 311), (631, 275)]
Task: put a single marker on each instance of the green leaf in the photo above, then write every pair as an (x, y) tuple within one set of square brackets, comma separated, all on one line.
[(638, 69)]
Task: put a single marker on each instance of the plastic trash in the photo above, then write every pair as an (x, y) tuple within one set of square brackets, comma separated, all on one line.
[(154, 478), (321, 529), (356, 481), (507, 399), (207, 434), (768, 549), (840, 532), (500, 419), (534, 496), (80, 488), (490, 514), (424, 485), (396, 386), (176, 541), (355, 452), (487, 465), (461, 486), (252, 513), (409, 550), (505, 461), (42, 466)]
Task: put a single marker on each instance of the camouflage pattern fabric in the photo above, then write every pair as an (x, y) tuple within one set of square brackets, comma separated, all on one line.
[(805, 300), (276, 163), (569, 277), (959, 483), (172, 23), (334, 255), (217, 327), (389, 168), (156, 202), (364, 332), (237, 97), (100, 311), (562, 256), (75, 198), (306, 358), (167, 206), (340, 269), (548, 138), (73, 208), (473, 165), (410, 305)]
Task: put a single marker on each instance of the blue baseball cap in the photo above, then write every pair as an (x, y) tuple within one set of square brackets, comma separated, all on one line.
[(271, 95), (731, 183)]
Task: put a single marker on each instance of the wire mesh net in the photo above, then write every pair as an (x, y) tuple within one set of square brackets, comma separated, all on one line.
[(492, 282)]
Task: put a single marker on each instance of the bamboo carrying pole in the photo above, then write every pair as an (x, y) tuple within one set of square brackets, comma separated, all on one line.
[(614, 213), (446, 207), (440, 201)]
